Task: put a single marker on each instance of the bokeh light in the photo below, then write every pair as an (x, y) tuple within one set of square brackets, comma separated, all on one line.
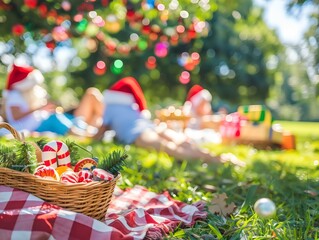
[(161, 49), (100, 68), (117, 66), (185, 77)]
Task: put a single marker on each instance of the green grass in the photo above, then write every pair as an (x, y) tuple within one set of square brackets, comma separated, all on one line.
[(289, 177)]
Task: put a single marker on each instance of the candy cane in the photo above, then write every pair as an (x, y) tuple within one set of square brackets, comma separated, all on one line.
[(56, 153)]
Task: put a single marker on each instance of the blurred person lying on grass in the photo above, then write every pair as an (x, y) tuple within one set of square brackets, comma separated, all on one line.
[(26, 106), (198, 106), (126, 113)]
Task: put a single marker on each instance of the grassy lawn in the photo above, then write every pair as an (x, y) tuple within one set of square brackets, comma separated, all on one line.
[(289, 177)]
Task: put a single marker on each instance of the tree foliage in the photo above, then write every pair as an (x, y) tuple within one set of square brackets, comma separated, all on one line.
[(167, 45), (311, 35)]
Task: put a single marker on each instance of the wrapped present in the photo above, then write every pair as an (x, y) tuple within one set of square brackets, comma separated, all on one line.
[(256, 113), (251, 131), (230, 127)]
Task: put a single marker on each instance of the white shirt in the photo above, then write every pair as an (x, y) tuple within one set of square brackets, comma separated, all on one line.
[(30, 122)]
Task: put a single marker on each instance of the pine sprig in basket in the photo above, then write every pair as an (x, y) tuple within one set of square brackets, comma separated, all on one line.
[(114, 162), (8, 157), (74, 151), (20, 156), (28, 152)]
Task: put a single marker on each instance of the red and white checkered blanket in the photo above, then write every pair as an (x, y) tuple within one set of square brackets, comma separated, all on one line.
[(133, 214)]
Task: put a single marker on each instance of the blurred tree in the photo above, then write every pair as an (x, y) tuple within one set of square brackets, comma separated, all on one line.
[(311, 36), (104, 33), (231, 60), (236, 52), (167, 45)]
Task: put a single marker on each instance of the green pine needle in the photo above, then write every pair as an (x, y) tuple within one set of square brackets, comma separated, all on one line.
[(8, 156), (74, 151), (114, 162), (20, 156), (41, 142)]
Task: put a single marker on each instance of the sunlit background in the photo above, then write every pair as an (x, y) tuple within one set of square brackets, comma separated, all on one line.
[(246, 52)]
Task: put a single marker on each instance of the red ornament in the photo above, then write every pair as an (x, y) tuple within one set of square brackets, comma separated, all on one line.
[(130, 15), (146, 29), (43, 9), (50, 45), (191, 33), (18, 30), (31, 3)]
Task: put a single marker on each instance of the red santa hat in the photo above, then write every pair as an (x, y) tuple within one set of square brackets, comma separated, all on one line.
[(126, 91), (23, 78), (196, 94)]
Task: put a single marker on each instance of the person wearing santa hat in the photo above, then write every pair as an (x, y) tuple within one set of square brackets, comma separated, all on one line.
[(26, 105), (124, 112), (198, 105)]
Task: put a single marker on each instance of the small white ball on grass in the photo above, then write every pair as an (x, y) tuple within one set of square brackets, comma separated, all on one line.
[(265, 208)]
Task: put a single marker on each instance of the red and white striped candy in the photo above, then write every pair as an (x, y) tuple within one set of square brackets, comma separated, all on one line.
[(84, 175), (56, 153), (69, 177), (46, 172), (102, 175), (87, 180)]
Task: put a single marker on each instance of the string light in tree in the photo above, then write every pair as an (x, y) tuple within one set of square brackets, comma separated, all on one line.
[(142, 44), (100, 68), (66, 5), (150, 63), (161, 49), (82, 23), (112, 24), (185, 77), (60, 34), (187, 61), (156, 25), (117, 66), (195, 57)]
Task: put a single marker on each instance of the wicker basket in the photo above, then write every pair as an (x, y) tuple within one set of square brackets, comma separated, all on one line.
[(91, 199)]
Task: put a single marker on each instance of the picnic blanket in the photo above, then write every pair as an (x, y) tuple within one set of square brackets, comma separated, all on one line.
[(134, 213)]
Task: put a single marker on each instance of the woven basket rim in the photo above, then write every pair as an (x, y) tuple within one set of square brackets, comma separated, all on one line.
[(55, 182)]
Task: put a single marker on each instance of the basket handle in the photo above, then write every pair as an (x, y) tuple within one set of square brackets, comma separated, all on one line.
[(14, 132), (20, 138)]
